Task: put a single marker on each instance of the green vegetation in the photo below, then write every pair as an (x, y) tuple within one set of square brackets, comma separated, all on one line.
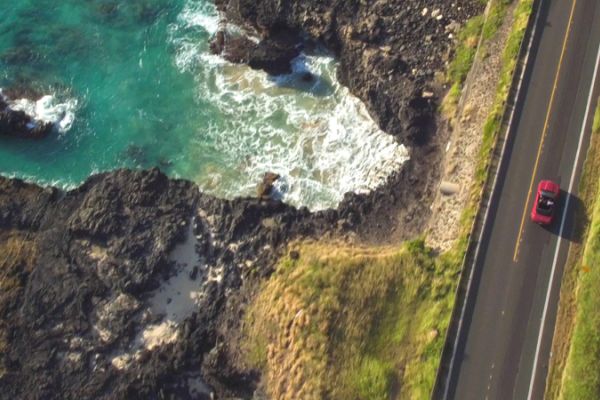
[(468, 39), (349, 323), (475, 30), (493, 123), (495, 18), (581, 377)]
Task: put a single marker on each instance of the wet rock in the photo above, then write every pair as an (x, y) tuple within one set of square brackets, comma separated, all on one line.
[(274, 55), (266, 187), (307, 77), (217, 44), (238, 49), (19, 124)]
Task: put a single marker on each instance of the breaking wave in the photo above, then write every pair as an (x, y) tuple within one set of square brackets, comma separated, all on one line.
[(48, 109)]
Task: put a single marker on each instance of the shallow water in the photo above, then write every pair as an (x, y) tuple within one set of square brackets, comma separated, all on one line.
[(132, 85)]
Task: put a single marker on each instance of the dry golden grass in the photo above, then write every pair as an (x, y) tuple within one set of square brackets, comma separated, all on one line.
[(350, 323)]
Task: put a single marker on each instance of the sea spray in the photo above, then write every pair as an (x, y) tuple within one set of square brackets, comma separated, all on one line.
[(48, 109)]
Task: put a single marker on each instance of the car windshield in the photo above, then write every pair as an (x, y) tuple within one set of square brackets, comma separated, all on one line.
[(547, 194), (545, 203)]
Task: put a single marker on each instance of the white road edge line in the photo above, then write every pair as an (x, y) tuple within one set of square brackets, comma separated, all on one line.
[(562, 227), (494, 185)]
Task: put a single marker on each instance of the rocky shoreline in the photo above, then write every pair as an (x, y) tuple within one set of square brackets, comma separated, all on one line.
[(83, 268), (389, 51)]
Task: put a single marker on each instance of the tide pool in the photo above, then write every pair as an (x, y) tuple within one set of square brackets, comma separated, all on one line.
[(132, 84)]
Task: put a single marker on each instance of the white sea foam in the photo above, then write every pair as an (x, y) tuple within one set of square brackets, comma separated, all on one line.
[(201, 14), (48, 109), (314, 133)]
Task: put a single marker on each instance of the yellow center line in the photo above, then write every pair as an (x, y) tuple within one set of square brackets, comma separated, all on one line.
[(544, 132)]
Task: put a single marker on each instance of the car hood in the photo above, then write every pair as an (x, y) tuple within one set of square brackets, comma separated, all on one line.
[(549, 186)]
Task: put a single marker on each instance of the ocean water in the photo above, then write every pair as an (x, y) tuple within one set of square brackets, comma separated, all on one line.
[(132, 84)]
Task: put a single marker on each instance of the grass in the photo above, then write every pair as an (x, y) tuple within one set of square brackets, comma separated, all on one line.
[(468, 39), (580, 377), (351, 323), (478, 29)]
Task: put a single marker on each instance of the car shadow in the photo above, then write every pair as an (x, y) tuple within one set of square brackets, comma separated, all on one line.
[(576, 219)]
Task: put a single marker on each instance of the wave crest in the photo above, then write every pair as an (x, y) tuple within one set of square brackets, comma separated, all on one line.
[(48, 109)]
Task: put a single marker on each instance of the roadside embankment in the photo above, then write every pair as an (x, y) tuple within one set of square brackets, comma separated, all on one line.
[(467, 216)]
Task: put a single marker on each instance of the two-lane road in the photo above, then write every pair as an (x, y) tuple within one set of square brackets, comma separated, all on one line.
[(504, 343)]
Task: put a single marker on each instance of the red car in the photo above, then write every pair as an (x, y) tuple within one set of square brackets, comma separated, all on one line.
[(546, 200)]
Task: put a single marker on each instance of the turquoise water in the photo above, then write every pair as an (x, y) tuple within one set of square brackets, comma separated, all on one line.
[(132, 85)]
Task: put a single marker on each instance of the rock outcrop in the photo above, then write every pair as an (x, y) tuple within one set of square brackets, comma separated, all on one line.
[(80, 269), (272, 55), (18, 124), (266, 187), (389, 50)]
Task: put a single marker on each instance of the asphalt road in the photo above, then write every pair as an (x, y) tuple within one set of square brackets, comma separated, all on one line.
[(504, 344)]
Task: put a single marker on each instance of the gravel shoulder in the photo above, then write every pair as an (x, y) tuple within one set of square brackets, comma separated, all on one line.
[(464, 138)]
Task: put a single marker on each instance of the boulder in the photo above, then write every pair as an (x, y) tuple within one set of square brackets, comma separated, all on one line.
[(265, 189), (19, 124), (275, 55)]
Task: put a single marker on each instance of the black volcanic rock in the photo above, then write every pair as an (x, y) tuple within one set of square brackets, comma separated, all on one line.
[(273, 55), (106, 246)]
